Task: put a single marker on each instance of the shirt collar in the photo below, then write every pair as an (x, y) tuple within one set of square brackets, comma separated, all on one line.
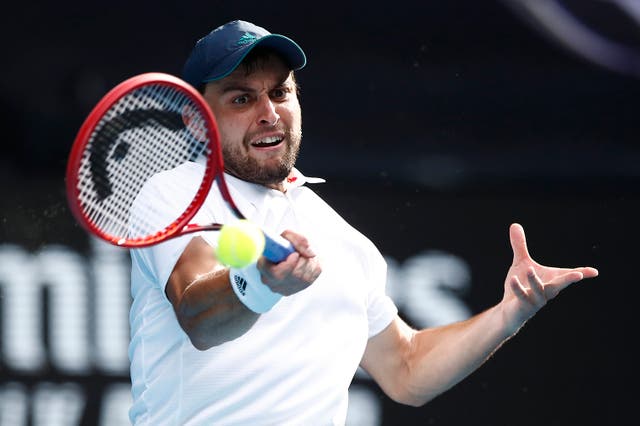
[(256, 194), (297, 179)]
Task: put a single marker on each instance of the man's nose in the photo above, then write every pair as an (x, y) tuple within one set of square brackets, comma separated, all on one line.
[(267, 113)]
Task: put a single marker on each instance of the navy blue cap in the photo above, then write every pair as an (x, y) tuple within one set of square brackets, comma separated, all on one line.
[(217, 54)]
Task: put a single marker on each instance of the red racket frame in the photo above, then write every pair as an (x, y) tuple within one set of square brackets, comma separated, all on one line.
[(214, 164)]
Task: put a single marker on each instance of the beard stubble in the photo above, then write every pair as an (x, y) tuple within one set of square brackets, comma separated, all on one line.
[(239, 164)]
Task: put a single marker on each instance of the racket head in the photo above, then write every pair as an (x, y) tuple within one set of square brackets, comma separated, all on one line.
[(148, 124)]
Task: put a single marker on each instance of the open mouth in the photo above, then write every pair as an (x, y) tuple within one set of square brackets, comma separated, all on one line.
[(268, 141)]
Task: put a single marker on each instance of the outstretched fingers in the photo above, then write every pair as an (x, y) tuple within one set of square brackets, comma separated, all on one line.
[(587, 272), (536, 287), (562, 281), (535, 292)]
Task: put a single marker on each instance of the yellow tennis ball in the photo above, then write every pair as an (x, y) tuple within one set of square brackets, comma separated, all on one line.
[(240, 243)]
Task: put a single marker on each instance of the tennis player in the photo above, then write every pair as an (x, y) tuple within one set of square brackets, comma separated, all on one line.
[(279, 344)]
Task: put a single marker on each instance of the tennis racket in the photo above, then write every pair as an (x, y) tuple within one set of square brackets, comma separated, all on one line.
[(148, 125)]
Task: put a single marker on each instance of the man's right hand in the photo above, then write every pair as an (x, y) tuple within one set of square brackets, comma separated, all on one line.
[(297, 272)]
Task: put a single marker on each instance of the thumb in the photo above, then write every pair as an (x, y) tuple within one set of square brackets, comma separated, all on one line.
[(518, 243)]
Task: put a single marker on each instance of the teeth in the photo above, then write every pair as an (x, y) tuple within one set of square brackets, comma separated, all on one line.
[(268, 140)]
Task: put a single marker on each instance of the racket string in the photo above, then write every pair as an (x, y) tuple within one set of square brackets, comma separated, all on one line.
[(141, 135)]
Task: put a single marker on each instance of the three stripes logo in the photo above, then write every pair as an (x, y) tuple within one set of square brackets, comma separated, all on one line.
[(246, 38), (241, 284)]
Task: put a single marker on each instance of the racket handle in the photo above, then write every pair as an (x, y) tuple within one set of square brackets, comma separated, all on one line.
[(276, 248)]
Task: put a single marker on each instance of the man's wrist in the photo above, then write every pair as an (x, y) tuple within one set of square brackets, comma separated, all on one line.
[(250, 289)]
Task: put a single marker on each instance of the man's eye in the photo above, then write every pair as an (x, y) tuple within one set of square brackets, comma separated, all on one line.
[(241, 100), (279, 93)]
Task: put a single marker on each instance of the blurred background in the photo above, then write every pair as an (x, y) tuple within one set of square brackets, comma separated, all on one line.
[(436, 125)]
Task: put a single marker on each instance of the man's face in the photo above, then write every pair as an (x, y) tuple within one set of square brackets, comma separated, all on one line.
[(259, 120)]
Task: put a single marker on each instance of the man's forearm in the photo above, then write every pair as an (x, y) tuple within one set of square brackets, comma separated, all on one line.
[(211, 313), (441, 357)]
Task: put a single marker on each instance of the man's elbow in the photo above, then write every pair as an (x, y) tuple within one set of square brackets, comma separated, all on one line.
[(412, 400), (199, 343), (411, 397), (205, 333), (203, 341), (199, 340)]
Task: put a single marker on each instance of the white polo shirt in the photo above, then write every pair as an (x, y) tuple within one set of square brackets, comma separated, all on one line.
[(295, 365)]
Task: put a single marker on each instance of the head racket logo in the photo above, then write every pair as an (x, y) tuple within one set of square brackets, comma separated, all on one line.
[(102, 151)]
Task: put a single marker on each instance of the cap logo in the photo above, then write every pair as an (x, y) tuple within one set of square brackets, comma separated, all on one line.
[(247, 38)]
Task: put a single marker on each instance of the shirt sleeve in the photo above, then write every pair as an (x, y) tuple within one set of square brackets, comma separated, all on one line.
[(165, 198), (381, 310)]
